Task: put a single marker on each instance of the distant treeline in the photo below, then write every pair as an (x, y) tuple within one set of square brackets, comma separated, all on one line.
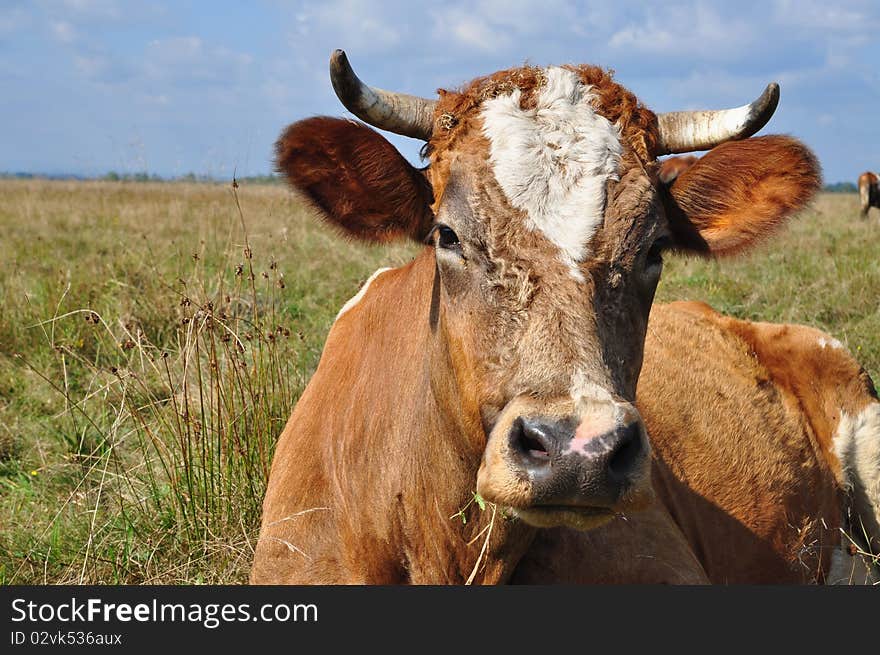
[(841, 187), (113, 176)]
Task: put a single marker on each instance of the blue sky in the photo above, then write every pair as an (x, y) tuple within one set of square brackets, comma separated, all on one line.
[(88, 86)]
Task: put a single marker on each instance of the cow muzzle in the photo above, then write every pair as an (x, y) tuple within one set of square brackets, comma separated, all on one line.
[(577, 470)]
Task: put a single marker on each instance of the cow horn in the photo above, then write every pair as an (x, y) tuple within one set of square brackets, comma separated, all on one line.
[(395, 112), (686, 131)]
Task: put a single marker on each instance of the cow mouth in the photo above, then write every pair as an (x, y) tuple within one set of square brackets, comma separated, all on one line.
[(575, 516), (586, 511)]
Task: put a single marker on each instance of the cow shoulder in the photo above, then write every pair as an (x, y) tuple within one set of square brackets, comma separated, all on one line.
[(734, 452), (704, 395), (830, 385)]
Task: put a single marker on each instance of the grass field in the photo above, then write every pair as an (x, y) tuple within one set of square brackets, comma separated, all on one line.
[(154, 338)]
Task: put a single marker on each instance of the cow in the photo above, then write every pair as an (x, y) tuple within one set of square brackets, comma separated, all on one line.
[(766, 452), (500, 364), (869, 192), (672, 167)]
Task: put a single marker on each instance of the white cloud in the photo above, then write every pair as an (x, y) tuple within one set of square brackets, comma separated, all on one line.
[(91, 66), (695, 32), (356, 24), (13, 19), (63, 31), (498, 26), (179, 47), (260, 66), (103, 9), (160, 100), (189, 59), (461, 28), (855, 18)]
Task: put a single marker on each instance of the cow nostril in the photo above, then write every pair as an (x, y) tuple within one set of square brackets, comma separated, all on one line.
[(529, 441), (534, 447), (627, 451)]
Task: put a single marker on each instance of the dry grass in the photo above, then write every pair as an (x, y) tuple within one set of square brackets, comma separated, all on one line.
[(153, 341), (822, 271), (154, 338)]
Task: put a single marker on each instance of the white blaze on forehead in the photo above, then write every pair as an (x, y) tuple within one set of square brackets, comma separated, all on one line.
[(360, 294), (553, 161)]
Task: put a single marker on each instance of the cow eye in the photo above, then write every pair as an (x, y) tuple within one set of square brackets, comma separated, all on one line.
[(447, 238), (655, 254)]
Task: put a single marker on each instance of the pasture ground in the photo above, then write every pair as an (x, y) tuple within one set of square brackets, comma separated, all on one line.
[(154, 338)]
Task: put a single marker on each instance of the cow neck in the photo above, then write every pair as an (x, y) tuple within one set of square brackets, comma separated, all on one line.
[(404, 369)]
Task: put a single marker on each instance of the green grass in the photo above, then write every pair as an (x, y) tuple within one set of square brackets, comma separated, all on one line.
[(153, 341), (144, 375), (822, 270)]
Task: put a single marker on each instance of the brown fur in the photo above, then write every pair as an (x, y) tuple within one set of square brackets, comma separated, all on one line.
[(419, 383), (644, 547), (869, 192), (356, 177), (391, 468), (741, 192), (746, 466), (672, 167), (741, 417), (637, 122), (457, 112)]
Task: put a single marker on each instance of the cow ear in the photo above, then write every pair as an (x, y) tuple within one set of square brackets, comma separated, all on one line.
[(672, 167), (358, 180), (740, 192)]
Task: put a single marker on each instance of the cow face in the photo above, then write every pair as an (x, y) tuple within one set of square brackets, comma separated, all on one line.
[(547, 220)]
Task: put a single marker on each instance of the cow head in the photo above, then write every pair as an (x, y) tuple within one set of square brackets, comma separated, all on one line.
[(548, 225)]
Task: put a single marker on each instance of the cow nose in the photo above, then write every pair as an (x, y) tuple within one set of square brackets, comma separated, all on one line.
[(625, 452), (536, 441), (566, 469)]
